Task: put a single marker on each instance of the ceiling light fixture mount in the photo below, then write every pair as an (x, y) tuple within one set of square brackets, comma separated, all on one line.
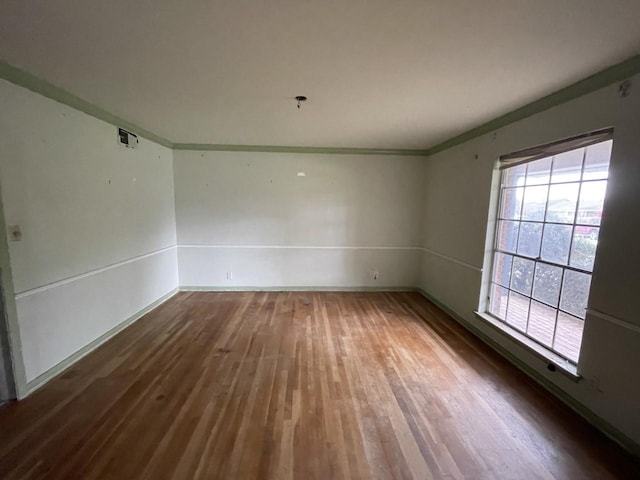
[(300, 99)]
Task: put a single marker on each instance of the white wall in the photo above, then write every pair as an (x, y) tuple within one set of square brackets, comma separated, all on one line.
[(456, 208), (252, 215), (97, 220)]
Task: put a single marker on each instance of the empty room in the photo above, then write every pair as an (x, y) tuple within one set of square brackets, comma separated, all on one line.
[(320, 239)]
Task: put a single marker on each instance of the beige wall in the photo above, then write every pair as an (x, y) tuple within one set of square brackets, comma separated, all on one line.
[(457, 206)]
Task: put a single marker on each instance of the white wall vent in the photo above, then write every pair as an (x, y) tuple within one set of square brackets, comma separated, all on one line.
[(128, 139)]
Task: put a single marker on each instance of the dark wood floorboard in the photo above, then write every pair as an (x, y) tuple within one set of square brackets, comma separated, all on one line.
[(280, 385)]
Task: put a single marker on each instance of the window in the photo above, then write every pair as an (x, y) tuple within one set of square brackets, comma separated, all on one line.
[(547, 229)]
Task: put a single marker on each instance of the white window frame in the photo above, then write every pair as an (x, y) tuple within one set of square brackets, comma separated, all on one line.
[(491, 247)]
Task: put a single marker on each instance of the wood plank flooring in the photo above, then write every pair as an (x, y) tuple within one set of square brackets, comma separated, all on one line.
[(281, 385)]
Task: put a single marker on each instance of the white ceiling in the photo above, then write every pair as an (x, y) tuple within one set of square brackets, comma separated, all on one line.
[(378, 73)]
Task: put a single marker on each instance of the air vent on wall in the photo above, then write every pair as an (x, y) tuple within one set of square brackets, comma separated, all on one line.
[(128, 139)]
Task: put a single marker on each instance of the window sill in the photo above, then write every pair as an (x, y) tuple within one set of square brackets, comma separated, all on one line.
[(555, 362)]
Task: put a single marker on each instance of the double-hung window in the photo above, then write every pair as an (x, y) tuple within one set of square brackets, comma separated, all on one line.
[(547, 229)]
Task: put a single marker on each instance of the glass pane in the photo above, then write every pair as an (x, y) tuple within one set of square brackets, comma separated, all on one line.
[(575, 292), (535, 199), (591, 201), (555, 243), (502, 269), (596, 164), (538, 171), (568, 336), (529, 240), (567, 166), (542, 322), (508, 235), (517, 311), (562, 202), (511, 203), (514, 176), (498, 301), (583, 249), (522, 275), (546, 284)]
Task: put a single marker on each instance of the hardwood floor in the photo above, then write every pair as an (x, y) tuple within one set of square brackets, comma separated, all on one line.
[(277, 385)]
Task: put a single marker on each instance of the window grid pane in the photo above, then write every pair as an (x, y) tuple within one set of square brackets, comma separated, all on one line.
[(545, 245)]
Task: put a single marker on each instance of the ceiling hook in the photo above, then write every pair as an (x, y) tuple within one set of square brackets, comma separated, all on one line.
[(300, 99)]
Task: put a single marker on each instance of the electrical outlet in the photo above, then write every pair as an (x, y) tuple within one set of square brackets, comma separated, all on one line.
[(375, 274), (229, 275)]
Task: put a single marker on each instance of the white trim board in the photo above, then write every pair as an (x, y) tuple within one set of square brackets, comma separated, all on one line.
[(614, 320), (65, 281), (298, 247), (451, 259), (297, 289)]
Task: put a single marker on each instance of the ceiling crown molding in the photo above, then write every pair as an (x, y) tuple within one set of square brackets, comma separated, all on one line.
[(606, 77), (615, 73), (293, 149), (31, 82)]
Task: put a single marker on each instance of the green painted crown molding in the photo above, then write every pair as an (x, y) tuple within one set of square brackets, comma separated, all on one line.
[(292, 149), (31, 82), (604, 78), (615, 73)]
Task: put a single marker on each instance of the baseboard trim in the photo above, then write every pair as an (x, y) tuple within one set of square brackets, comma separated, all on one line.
[(54, 371), (296, 247), (598, 422), (288, 288)]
